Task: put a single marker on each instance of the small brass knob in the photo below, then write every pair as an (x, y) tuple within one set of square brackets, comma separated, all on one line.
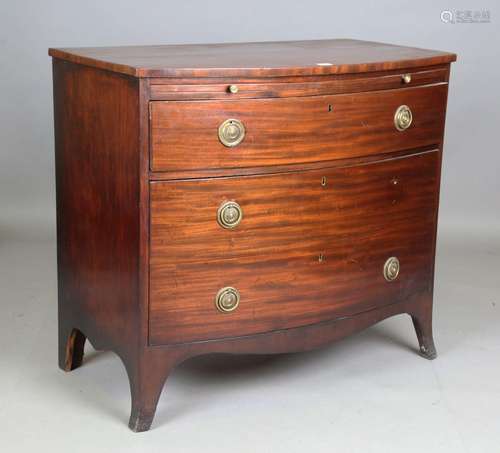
[(391, 269), (233, 89), (403, 118), (227, 299), (229, 214), (406, 78), (231, 132)]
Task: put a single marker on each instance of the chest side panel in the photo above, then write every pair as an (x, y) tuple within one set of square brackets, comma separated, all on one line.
[(96, 143)]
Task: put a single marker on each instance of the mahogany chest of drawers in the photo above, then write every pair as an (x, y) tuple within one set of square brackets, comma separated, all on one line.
[(242, 198)]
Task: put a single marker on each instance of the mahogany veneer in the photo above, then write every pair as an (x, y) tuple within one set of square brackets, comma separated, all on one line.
[(243, 198), (293, 130)]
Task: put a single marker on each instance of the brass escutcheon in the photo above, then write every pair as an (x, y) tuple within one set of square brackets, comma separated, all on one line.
[(391, 269), (227, 299), (403, 118), (229, 214), (231, 132)]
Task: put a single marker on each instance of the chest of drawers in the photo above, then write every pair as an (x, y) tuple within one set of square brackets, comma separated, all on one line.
[(242, 198)]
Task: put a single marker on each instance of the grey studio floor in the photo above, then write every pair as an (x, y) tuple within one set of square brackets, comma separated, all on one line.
[(368, 393)]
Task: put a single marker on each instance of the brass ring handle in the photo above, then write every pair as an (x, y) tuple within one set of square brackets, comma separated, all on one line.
[(231, 132), (403, 118), (227, 299), (229, 214), (391, 269)]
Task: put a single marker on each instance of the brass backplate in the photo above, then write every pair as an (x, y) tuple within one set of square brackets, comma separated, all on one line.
[(231, 132), (403, 118), (229, 214), (227, 299), (391, 269)]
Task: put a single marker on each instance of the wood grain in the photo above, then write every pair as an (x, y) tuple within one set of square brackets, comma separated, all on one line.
[(202, 173), (286, 58), (364, 215), (96, 141), (215, 88), (184, 135)]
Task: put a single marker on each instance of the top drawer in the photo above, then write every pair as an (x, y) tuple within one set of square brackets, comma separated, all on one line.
[(189, 135)]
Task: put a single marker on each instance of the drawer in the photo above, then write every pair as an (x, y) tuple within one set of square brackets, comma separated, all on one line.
[(189, 135), (310, 246), (210, 88)]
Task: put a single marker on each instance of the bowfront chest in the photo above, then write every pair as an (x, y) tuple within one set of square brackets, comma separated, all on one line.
[(243, 198)]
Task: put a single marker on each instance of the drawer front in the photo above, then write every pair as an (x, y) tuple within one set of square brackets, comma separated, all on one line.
[(310, 246), (189, 135), (190, 89)]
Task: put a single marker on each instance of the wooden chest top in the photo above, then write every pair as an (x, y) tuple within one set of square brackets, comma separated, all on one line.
[(263, 59)]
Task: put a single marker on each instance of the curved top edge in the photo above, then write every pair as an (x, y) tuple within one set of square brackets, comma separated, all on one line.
[(262, 59)]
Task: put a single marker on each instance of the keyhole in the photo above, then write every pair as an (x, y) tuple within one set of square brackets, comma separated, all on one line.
[(330, 107), (323, 181)]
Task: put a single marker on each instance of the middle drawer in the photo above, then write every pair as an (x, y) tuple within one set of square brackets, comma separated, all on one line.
[(221, 134)]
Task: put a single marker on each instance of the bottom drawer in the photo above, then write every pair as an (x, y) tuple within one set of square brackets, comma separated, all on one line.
[(311, 246)]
